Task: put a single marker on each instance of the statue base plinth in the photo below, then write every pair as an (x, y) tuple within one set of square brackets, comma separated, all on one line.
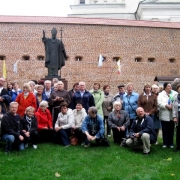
[(59, 78)]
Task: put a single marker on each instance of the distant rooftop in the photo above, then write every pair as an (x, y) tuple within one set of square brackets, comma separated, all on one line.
[(93, 21)]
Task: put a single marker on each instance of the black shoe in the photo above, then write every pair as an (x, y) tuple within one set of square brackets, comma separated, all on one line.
[(176, 150), (146, 154)]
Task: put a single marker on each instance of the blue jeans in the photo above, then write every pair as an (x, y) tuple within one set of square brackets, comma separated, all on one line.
[(10, 139), (64, 134)]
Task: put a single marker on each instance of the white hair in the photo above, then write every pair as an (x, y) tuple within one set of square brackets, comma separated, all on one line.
[(116, 103), (43, 103)]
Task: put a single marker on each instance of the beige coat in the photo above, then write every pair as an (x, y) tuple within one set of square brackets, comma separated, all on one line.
[(107, 103)]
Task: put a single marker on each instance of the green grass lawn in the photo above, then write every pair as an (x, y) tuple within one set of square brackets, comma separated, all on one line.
[(93, 163)]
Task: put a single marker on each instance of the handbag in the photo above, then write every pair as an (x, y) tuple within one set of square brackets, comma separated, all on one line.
[(74, 140)]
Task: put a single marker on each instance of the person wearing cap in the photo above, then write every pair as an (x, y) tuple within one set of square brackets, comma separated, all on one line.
[(93, 128), (165, 101), (5, 98), (120, 94), (79, 115), (44, 120), (64, 123)]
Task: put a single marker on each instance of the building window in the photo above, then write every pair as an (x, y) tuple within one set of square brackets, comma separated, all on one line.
[(151, 59), (26, 57), (138, 59), (2, 57), (115, 59), (82, 1), (78, 58), (40, 57), (172, 60), (96, 1)]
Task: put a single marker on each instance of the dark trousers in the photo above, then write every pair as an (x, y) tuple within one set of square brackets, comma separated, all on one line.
[(118, 135), (34, 137), (167, 132), (64, 135), (108, 128), (178, 137), (129, 127), (46, 135)]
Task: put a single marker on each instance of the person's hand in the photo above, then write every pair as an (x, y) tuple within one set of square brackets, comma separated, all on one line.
[(51, 128), (109, 108), (175, 120), (137, 135), (122, 128), (27, 134), (61, 99), (93, 138), (1, 99), (169, 106), (21, 138), (23, 131), (74, 127), (45, 128), (118, 128), (57, 129), (89, 137)]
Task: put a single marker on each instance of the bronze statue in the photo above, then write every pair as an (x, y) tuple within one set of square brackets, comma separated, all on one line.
[(55, 53)]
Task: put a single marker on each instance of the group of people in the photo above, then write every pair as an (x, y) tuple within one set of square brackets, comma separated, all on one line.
[(47, 112)]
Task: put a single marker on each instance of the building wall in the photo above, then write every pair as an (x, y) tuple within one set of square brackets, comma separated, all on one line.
[(89, 41)]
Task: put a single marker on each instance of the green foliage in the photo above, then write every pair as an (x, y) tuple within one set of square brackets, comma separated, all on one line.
[(93, 163)]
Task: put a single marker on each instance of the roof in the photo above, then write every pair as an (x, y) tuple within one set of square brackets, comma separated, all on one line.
[(93, 21), (165, 78)]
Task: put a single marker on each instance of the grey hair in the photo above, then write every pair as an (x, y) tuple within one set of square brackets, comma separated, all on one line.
[(43, 103), (93, 109), (116, 103), (47, 81), (13, 103), (32, 83), (155, 86)]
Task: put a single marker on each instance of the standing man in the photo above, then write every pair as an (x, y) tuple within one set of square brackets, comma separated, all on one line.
[(10, 128), (142, 131), (5, 99), (55, 53), (119, 95), (85, 96), (93, 128), (47, 89)]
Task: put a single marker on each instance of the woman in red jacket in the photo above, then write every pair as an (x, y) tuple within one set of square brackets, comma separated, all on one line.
[(44, 120), (25, 99)]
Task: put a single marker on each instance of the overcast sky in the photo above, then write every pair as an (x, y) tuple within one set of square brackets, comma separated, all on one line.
[(36, 7)]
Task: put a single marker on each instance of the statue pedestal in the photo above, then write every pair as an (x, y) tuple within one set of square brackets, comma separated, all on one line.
[(59, 78)]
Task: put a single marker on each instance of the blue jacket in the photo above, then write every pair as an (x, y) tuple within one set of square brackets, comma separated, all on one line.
[(94, 123), (87, 99), (14, 94), (147, 126), (130, 104)]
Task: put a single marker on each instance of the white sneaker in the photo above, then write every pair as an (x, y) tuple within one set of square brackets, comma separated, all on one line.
[(171, 146), (164, 146), (26, 145), (34, 146)]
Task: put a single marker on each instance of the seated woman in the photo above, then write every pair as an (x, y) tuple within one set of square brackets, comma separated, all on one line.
[(29, 127), (79, 115), (64, 123), (119, 121), (44, 120)]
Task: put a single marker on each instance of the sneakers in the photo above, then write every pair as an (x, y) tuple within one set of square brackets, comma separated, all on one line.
[(26, 145), (164, 146), (109, 135), (156, 143), (171, 146), (87, 145), (34, 146), (146, 154)]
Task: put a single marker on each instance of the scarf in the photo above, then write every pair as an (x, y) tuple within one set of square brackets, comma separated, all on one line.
[(28, 124)]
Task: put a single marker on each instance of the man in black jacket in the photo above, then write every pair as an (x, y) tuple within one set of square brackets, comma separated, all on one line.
[(142, 131), (5, 98), (10, 128)]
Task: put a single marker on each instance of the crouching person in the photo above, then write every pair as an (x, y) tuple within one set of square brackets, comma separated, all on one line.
[(119, 121), (11, 129), (93, 128), (64, 123), (142, 132), (29, 127)]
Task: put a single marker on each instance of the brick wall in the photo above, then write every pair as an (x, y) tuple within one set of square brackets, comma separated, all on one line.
[(89, 41)]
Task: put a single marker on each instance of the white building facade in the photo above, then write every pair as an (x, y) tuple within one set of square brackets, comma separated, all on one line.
[(157, 10)]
